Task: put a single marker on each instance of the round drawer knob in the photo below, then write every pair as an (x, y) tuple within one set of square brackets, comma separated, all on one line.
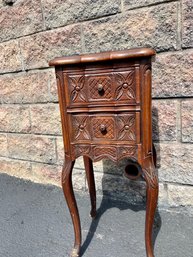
[(100, 88), (77, 88), (103, 128), (125, 85), (126, 127), (81, 127)]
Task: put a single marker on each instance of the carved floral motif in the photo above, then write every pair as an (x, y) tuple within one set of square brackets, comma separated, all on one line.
[(125, 88), (80, 127), (76, 84), (127, 151), (126, 127), (81, 150)]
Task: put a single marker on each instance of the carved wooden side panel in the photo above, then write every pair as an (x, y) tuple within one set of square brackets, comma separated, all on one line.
[(146, 109), (62, 104), (126, 127), (149, 171), (125, 86), (77, 89)]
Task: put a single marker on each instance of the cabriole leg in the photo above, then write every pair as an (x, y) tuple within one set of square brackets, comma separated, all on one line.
[(71, 202), (91, 184), (150, 176)]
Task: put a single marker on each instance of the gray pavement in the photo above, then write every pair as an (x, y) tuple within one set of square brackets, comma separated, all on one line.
[(34, 222)]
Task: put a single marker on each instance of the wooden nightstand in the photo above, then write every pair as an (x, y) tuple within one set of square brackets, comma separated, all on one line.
[(105, 105)]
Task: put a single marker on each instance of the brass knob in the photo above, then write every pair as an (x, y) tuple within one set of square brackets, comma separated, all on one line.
[(103, 128), (100, 88), (77, 88), (125, 85), (81, 126)]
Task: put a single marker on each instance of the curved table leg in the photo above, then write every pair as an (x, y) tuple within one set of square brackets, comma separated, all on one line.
[(71, 202), (91, 184), (150, 176)]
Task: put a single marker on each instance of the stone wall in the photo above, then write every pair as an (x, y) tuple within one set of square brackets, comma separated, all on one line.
[(33, 32)]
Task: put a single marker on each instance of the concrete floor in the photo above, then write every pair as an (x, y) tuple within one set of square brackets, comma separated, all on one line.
[(34, 222)]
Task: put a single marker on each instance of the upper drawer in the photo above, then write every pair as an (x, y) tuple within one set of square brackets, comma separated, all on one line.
[(116, 87)]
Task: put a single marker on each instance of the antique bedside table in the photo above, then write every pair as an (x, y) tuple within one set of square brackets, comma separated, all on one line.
[(105, 105)]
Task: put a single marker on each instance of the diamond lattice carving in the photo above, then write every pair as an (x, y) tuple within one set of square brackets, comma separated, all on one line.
[(105, 82), (106, 122)]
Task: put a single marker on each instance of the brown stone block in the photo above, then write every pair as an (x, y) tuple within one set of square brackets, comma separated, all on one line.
[(180, 195), (153, 27), (44, 173), (53, 90), (172, 74), (27, 87), (45, 119), (14, 118), (3, 145), (39, 49), (164, 120), (175, 162), (10, 57), (30, 147), (187, 121), (60, 150), (23, 18), (129, 4), (59, 13), (187, 23), (17, 168)]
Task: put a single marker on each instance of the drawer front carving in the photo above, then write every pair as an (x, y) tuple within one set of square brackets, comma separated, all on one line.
[(125, 86), (103, 127), (77, 89), (100, 87), (113, 87), (80, 127), (115, 127), (126, 125)]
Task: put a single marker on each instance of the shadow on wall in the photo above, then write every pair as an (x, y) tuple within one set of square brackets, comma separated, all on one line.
[(129, 194)]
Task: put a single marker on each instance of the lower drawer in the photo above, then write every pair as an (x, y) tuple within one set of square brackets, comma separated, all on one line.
[(121, 127)]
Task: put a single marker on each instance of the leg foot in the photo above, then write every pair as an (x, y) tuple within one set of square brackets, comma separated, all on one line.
[(71, 202), (75, 252), (91, 184), (152, 197)]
